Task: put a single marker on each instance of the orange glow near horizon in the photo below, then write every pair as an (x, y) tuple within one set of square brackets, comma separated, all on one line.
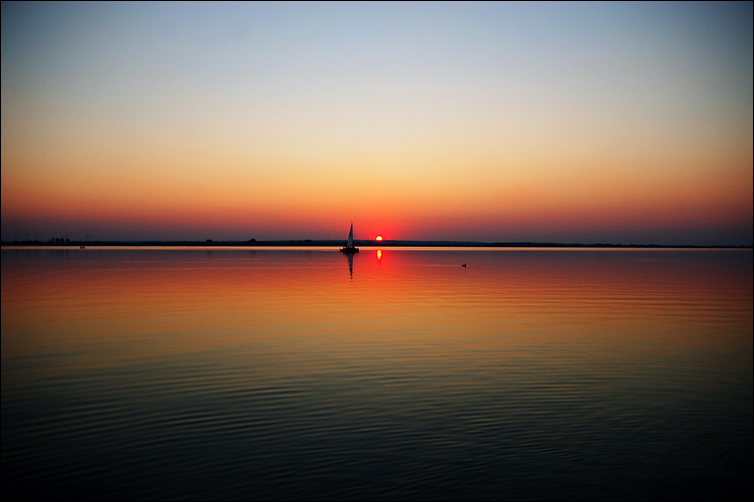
[(574, 206)]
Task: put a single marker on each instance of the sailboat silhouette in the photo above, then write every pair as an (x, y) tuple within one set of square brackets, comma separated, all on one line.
[(349, 247)]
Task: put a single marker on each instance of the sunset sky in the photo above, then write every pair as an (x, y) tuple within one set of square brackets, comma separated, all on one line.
[(619, 122)]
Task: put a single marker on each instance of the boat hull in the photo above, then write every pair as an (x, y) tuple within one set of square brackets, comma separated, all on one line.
[(349, 250)]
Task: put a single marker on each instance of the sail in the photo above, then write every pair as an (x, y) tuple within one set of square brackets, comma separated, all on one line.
[(350, 237)]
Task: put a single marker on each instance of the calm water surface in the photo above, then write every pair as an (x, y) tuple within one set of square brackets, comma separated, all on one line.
[(293, 374)]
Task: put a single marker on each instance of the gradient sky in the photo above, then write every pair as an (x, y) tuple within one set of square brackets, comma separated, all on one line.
[(619, 122)]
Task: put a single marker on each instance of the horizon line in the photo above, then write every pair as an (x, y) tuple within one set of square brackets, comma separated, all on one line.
[(337, 242)]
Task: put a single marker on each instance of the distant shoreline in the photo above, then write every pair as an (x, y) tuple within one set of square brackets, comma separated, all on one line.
[(368, 243)]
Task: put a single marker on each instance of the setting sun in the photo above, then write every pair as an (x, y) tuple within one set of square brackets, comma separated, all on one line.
[(378, 238)]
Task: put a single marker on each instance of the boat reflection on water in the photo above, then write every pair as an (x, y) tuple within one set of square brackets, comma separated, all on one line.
[(378, 255), (350, 264)]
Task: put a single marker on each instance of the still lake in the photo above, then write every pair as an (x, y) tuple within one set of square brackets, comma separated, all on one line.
[(290, 373)]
